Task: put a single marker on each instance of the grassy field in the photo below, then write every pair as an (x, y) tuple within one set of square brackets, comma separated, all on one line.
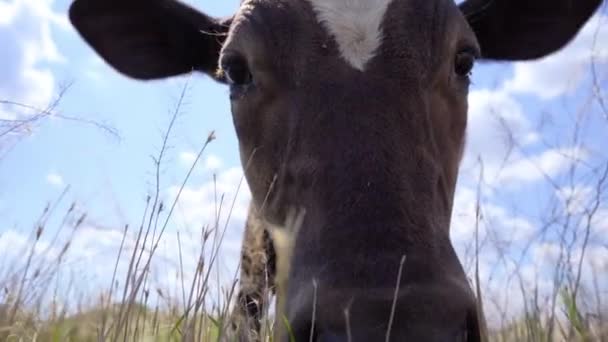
[(30, 311), (35, 306), (41, 301)]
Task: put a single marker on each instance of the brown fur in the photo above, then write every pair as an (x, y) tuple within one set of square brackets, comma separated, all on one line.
[(257, 277)]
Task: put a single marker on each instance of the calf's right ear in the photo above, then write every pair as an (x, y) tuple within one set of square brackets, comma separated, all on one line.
[(515, 30), (150, 39)]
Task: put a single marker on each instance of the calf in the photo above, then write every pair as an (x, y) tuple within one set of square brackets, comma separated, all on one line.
[(354, 113)]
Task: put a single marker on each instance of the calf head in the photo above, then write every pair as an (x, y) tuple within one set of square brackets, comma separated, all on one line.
[(355, 111)]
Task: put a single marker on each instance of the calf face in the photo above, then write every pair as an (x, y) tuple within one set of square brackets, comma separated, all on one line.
[(355, 112)]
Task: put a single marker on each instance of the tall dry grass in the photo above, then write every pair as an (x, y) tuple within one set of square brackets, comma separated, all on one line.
[(31, 310), (36, 305)]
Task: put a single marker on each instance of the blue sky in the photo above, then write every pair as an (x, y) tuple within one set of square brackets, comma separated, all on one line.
[(111, 177)]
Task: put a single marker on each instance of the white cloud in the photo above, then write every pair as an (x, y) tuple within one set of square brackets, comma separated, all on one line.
[(495, 117), (96, 69), (595, 258), (187, 158), (463, 214), (211, 163), (17, 242), (27, 44), (599, 223), (198, 205), (504, 225), (218, 204), (575, 198), (547, 253), (549, 163), (54, 179), (563, 72), (497, 133)]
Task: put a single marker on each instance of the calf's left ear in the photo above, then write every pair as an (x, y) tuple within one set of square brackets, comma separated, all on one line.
[(526, 29), (150, 39)]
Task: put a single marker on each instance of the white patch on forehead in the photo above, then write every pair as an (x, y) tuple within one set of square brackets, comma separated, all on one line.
[(355, 25)]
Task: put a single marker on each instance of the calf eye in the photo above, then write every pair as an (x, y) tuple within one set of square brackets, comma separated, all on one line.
[(236, 71), (464, 62)]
